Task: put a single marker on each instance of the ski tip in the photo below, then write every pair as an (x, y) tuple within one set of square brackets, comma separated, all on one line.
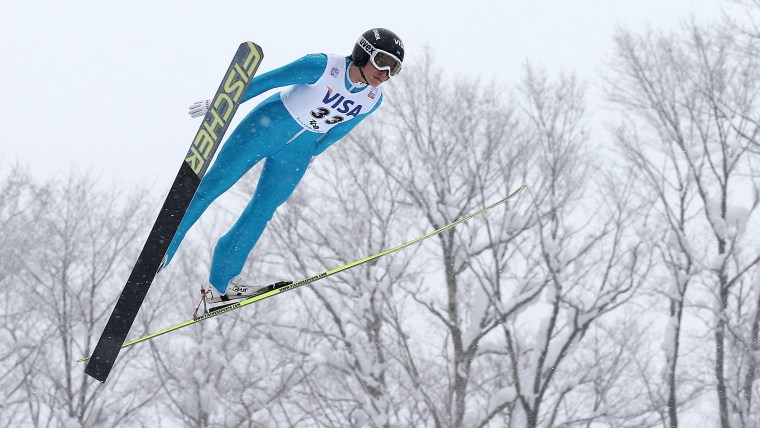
[(511, 195), (254, 47)]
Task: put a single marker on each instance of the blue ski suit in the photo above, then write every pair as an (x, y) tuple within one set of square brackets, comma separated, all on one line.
[(270, 132)]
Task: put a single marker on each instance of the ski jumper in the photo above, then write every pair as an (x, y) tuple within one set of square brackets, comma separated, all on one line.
[(286, 130)]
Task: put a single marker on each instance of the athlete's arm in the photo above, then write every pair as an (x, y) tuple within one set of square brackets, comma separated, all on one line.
[(307, 69)]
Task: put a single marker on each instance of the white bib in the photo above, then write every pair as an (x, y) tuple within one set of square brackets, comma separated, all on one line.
[(325, 103)]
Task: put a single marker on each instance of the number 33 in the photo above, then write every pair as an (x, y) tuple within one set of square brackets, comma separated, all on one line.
[(321, 112)]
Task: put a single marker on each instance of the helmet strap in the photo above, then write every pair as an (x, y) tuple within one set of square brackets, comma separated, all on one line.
[(362, 73)]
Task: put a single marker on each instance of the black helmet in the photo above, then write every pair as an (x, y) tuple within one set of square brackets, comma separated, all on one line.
[(383, 48)]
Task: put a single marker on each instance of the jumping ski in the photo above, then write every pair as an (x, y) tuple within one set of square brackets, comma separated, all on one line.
[(204, 146), (281, 287)]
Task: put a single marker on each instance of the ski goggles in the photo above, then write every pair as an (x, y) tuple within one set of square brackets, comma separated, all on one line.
[(381, 59)]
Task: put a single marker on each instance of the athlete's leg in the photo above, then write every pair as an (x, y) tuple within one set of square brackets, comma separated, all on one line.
[(279, 177), (257, 136)]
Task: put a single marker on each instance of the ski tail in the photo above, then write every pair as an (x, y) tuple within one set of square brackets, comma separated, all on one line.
[(281, 287), (201, 152)]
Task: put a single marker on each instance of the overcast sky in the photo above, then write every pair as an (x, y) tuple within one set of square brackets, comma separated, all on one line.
[(104, 86)]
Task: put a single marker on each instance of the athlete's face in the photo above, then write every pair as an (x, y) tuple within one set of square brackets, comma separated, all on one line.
[(374, 76)]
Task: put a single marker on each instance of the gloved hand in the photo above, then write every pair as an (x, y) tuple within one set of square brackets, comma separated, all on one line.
[(199, 108)]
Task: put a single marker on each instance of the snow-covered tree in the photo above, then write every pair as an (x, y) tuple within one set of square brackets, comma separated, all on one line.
[(19, 208), (73, 245), (689, 138)]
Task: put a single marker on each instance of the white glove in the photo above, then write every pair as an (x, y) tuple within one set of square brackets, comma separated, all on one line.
[(199, 108)]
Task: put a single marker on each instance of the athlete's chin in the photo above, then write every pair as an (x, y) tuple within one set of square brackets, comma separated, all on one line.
[(376, 81)]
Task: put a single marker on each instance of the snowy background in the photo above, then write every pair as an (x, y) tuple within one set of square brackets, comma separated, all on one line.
[(619, 290), (104, 86)]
